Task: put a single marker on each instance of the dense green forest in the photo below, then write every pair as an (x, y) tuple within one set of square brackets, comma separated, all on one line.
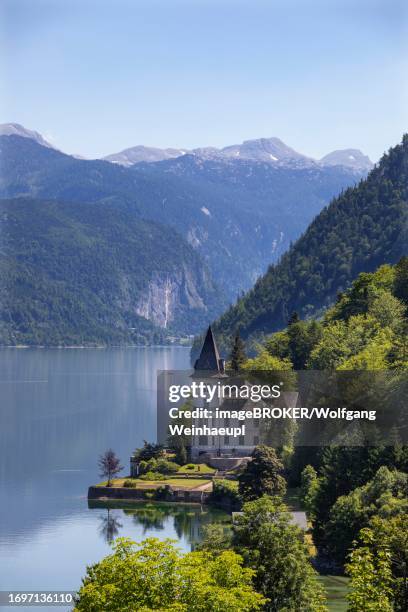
[(364, 227), (88, 273), (366, 329), (356, 497)]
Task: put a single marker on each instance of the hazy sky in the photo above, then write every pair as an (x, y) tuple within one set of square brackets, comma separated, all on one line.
[(96, 76)]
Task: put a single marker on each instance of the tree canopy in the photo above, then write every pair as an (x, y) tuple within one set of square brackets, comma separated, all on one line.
[(153, 575), (276, 550), (262, 475)]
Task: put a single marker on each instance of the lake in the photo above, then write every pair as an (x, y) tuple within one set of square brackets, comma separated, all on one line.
[(59, 410)]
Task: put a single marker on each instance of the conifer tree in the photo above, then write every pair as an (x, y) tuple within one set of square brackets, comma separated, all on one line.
[(238, 356), (294, 318)]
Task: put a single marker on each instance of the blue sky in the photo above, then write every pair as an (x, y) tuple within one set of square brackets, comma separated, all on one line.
[(96, 76)]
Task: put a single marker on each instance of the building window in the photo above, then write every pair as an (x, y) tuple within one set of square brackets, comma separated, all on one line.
[(226, 440), (256, 440), (241, 440), (203, 441)]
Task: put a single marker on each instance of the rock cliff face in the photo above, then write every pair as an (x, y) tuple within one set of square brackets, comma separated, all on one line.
[(169, 297), (96, 273)]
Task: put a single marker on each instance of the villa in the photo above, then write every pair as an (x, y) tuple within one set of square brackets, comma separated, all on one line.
[(221, 450)]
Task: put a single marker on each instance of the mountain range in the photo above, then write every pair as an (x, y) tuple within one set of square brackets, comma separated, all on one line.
[(238, 215), (362, 228), (268, 150), (211, 225)]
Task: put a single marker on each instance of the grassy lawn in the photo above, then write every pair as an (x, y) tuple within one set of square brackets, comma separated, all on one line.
[(196, 468), (336, 591), (184, 483)]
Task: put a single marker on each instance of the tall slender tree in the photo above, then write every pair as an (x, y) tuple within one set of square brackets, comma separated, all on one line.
[(109, 465), (238, 356)]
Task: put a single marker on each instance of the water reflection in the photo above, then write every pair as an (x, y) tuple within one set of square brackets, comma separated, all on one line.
[(186, 521), (110, 526)]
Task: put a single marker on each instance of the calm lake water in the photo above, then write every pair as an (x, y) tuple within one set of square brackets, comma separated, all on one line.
[(59, 410)]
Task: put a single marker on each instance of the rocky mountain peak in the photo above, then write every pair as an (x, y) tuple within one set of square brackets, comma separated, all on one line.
[(264, 149), (351, 158), (15, 129)]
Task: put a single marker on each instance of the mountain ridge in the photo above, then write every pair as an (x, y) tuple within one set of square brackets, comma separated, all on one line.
[(268, 150), (16, 129), (239, 216), (89, 273), (361, 229)]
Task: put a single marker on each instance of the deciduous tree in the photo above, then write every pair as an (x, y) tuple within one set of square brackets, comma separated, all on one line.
[(371, 577), (276, 550), (109, 465), (262, 475), (153, 575)]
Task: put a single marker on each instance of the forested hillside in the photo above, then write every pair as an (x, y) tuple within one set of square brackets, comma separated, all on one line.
[(355, 494), (367, 329), (238, 215), (364, 227), (80, 273)]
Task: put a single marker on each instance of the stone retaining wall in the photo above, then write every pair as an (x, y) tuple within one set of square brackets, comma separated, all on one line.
[(128, 493)]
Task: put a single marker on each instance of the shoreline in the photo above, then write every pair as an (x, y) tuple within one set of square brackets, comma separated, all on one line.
[(98, 346), (175, 494), (117, 502)]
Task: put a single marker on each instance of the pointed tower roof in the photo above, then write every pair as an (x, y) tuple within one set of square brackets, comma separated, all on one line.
[(209, 359)]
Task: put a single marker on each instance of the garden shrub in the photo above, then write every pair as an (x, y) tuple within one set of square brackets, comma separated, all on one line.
[(130, 483), (162, 466), (226, 492), (163, 493), (152, 476)]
